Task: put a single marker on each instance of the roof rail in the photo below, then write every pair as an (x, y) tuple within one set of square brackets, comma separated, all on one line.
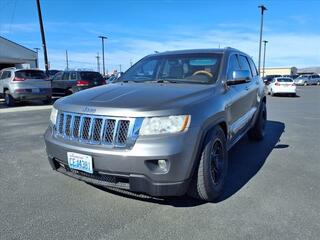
[(9, 68)]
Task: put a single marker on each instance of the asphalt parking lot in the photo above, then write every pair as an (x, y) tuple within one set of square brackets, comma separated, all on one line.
[(273, 190)]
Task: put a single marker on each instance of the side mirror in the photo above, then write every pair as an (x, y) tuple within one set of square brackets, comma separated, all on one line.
[(119, 74), (239, 76)]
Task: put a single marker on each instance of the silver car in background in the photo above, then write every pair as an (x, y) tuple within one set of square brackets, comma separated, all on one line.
[(304, 80), (24, 84)]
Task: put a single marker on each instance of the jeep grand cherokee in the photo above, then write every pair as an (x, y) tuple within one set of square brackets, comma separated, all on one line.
[(164, 128)]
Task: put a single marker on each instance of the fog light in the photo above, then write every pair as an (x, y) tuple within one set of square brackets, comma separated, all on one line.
[(162, 164)]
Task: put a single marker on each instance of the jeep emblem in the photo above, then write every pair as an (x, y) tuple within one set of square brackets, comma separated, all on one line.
[(89, 110)]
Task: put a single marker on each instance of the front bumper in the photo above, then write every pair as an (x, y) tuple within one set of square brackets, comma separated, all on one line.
[(132, 169)]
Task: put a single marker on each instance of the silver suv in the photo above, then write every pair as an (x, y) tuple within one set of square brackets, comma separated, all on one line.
[(23, 85), (305, 80), (164, 127)]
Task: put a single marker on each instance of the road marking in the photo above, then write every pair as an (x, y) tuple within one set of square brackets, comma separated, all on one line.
[(25, 109)]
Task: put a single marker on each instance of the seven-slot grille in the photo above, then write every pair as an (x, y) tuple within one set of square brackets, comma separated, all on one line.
[(92, 129)]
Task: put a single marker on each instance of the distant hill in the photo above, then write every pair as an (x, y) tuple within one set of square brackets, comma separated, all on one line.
[(309, 70)]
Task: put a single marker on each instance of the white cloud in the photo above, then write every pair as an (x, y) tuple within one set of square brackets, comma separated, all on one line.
[(124, 45)]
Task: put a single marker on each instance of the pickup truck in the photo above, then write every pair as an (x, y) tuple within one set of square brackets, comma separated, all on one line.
[(164, 127)]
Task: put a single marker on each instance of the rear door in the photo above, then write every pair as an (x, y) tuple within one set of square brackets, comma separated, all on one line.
[(65, 84), (32, 79), (252, 87), (56, 83)]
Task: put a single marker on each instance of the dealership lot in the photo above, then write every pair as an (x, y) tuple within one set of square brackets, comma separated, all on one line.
[(272, 192)]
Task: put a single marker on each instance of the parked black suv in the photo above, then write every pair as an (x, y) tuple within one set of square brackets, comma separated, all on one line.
[(68, 82)]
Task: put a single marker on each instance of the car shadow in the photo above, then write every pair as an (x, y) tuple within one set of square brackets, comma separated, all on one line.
[(285, 96), (34, 103), (246, 159)]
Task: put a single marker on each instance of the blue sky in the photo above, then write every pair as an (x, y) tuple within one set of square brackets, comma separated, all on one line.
[(137, 28)]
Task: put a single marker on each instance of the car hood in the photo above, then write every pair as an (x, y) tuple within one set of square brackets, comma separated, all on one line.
[(136, 99)]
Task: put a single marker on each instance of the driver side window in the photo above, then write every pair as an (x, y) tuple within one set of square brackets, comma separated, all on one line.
[(233, 65)]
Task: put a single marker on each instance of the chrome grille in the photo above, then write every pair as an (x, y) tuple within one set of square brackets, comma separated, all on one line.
[(97, 130)]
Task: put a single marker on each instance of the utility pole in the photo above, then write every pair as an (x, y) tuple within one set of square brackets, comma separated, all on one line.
[(37, 60), (103, 64), (46, 64), (131, 63), (263, 8), (120, 67), (98, 62), (67, 60), (264, 57)]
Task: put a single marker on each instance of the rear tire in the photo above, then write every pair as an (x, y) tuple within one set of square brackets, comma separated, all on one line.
[(210, 175), (257, 132), (47, 101), (271, 93), (9, 100)]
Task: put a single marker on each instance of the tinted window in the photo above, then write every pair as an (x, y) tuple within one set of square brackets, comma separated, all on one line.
[(189, 67), (244, 63), (58, 76), (65, 76), (73, 75), (91, 76), (233, 65), (3, 75), (284, 80), (31, 74), (253, 67)]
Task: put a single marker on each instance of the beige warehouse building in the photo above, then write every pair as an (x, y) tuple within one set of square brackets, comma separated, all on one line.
[(279, 71)]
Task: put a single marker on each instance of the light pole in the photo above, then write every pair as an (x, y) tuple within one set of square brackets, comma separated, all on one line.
[(37, 60), (263, 8), (98, 62), (103, 64), (44, 45), (67, 60), (264, 56)]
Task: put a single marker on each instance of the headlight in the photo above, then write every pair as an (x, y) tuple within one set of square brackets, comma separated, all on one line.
[(53, 115), (162, 125)]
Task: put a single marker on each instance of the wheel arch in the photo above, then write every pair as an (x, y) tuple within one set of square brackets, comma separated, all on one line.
[(205, 137)]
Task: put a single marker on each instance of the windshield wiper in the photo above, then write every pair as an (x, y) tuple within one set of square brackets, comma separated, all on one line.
[(165, 81)]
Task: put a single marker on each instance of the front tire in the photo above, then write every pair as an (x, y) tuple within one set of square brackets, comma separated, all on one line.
[(210, 175), (257, 132), (9, 100)]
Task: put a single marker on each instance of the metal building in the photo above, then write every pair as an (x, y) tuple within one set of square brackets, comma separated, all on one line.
[(15, 55)]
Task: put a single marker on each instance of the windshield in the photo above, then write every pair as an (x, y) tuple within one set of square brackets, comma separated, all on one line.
[(31, 74), (193, 68)]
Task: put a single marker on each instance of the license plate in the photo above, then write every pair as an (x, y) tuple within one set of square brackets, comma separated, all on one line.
[(36, 90), (80, 162)]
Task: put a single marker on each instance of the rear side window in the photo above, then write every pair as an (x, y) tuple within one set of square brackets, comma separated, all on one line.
[(58, 76), (5, 74), (253, 67), (244, 64), (91, 76), (31, 74), (65, 76), (73, 75)]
